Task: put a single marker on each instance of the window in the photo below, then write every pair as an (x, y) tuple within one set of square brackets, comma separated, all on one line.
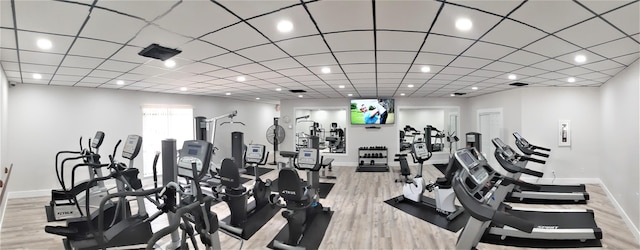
[(162, 122)]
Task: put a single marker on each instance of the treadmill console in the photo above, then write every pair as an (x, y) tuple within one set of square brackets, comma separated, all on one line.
[(194, 151), (132, 147), (97, 139), (504, 149), (473, 176), (255, 153), (308, 158), (421, 151), (520, 140)]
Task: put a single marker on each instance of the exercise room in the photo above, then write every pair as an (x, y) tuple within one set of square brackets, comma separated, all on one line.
[(315, 124)]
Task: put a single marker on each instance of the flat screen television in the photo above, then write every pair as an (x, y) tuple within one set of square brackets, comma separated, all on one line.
[(372, 111)]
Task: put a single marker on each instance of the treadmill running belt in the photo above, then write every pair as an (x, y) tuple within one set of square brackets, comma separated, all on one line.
[(429, 214), (256, 220), (559, 188), (538, 243), (312, 237), (564, 220), (261, 171), (325, 188), (510, 198)]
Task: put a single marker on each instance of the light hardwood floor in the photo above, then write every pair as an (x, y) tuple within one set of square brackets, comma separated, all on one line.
[(361, 219)]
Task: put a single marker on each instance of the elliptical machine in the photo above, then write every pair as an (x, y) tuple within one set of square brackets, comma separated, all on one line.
[(444, 202), (237, 196)]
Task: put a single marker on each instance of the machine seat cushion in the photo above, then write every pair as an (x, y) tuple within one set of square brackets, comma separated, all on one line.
[(230, 174), (404, 166), (291, 188)]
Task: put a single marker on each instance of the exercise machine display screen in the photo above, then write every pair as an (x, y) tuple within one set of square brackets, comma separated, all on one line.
[(97, 139), (420, 149), (479, 174), (132, 146), (255, 153), (517, 136), (193, 151), (308, 158)]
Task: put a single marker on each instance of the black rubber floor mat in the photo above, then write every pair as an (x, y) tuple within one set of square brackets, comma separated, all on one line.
[(325, 188), (261, 171), (441, 167), (538, 243), (314, 233), (256, 220), (372, 169), (429, 214)]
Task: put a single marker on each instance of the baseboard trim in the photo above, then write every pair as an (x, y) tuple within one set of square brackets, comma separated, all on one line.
[(29, 194), (635, 231)]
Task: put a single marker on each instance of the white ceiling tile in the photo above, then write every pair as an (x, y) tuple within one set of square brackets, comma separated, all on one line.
[(396, 57), (486, 73), (445, 77), (266, 75), (294, 72), (354, 57), (130, 54), (67, 78), (396, 76), (94, 48), (152, 34), (147, 10), (62, 83), (250, 68), (488, 51), (236, 37), (551, 65), (224, 73), (582, 34), (353, 40), (198, 67), (417, 15), (456, 71), (468, 62), (284, 63), (304, 45), (418, 76), (473, 79), (149, 70), (262, 53), (248, 9), (482, 22), (6, 14), (26, 67), (28, 41), (302, 24), (392, 67), (523, 57), (446, 45), (528, 71), (604, 6), (112, 65), (555, 17), (111, 26), (551, 46), (626, 18), (40, 58), (497, 7), (514, 34), (354, 76), (199, 78), (10, 66), (502, 66), (615, 48), (628, 59), (97, 80), (354, 68), (602, 65), (87, 84), (390, 40), (342, 15), (105, 74), (594, 75), (181, 18), (9, 55), (434, 59), (130, 77), (49, 18), (197, 50), (227, 60), (575, 71), (177, 75), (318, 60), (7, 38)]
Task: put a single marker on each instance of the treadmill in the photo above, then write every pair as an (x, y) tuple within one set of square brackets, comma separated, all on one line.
[(480, 190), (515, 163)]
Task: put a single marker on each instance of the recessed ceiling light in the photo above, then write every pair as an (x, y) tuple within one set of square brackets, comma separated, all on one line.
[(227, 93), (37, 76), (44, 43), (278, 89), (349, 94), (326, 70), (410, 85), (512, 77), (452, 95), (241, 78), (285, 26), (300, 96), (402, 94), (169, 63), (571, 79), (341, 86), (580, 58), (120, 82), (425, 69), (463, 24), (474, 88), (184, 89), (257, 98)]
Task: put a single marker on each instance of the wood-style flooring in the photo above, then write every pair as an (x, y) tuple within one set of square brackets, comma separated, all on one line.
[(361, 219)]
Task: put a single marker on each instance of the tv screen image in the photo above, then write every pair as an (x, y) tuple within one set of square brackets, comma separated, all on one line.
[(372, 111)]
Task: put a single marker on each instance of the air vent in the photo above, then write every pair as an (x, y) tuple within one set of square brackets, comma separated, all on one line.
[(518, 84), (458, 93), (297, 91), (158, 52)]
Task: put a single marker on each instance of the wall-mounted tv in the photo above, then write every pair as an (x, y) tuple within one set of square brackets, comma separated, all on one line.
[(372, 111)]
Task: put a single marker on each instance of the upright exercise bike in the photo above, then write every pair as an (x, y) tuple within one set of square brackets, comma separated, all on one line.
[(444, 202)]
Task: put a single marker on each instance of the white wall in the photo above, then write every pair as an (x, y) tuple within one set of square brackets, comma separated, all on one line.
[(358, 136), (619, 149), (47, 119), (4, 105)]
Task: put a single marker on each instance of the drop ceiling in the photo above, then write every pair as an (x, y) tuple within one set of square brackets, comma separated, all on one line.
[(372, 48)]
